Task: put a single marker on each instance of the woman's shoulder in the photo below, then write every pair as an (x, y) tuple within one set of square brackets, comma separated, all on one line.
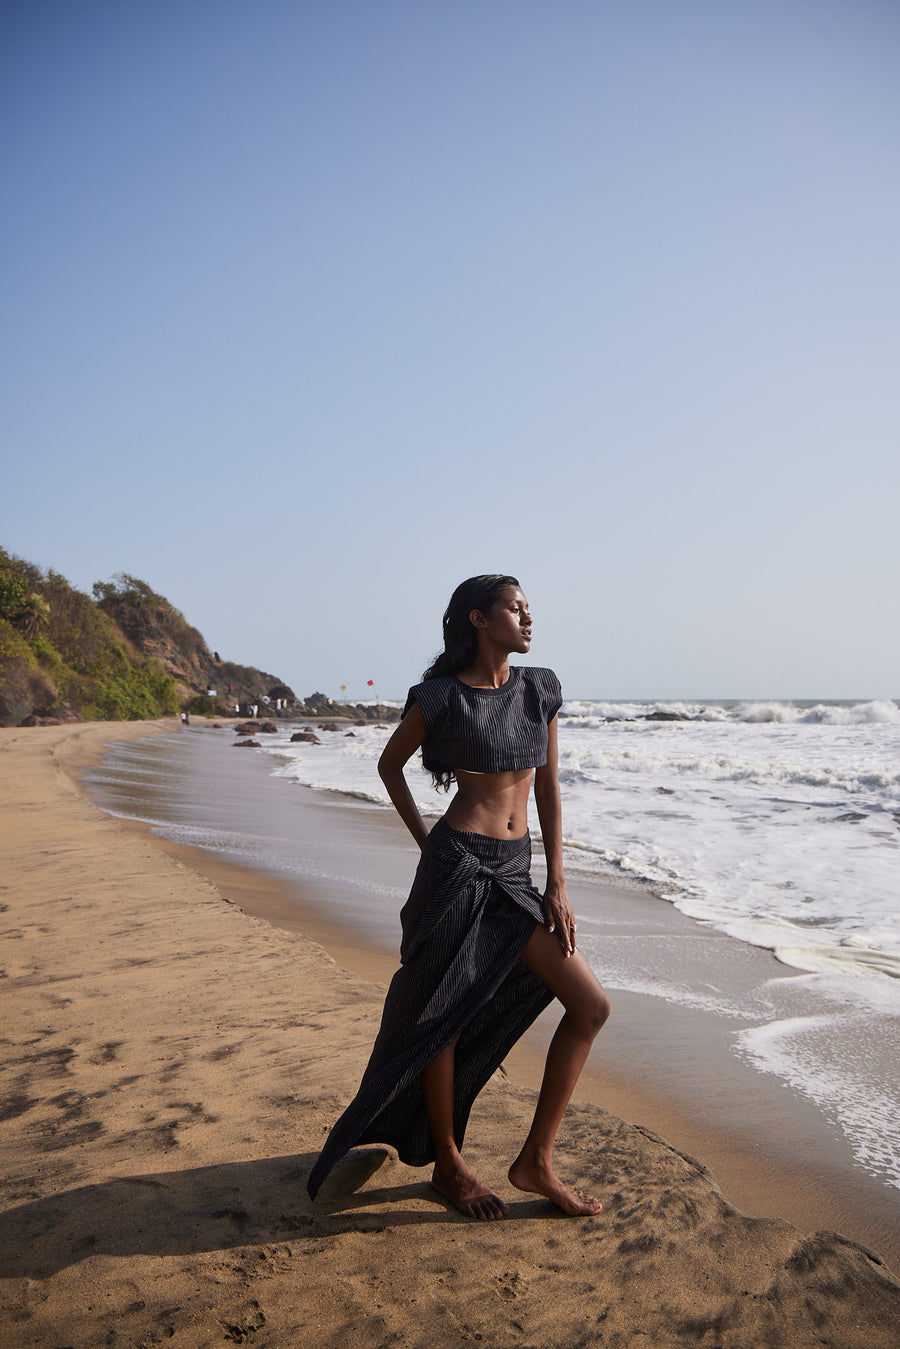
[(437, 687), (432, 695), (539, 674), (546, 688)]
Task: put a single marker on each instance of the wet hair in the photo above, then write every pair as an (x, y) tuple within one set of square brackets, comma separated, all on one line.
[(461, 636)]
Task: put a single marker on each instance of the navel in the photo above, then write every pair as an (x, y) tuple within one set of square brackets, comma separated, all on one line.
[(509, 824)]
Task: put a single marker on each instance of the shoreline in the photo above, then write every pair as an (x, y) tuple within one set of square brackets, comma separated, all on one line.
[(665, 1067), (173, 1064)]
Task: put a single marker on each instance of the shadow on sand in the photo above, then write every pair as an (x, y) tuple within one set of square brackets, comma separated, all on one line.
[(214, 1208)]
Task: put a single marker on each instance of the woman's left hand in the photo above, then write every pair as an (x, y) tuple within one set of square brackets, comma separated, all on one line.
[(559, 916)]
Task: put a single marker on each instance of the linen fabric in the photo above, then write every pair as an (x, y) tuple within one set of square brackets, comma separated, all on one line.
[(469, 916), (487, 730)]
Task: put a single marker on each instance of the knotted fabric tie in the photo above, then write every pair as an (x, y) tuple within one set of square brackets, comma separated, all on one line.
[(464, 878)]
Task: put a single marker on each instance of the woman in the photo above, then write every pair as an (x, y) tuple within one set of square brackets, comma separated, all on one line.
[(482, 952)]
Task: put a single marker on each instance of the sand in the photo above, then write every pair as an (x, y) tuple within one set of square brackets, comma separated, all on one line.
[(171, 1066)]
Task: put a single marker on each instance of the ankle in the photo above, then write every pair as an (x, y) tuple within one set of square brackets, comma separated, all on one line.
[(536, 1158), (447, 1159)]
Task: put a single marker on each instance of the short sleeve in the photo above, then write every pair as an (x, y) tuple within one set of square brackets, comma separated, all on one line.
[(432, 699), (552, 695)]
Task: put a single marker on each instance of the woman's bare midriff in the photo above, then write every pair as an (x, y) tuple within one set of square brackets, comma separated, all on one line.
[(495, 804)]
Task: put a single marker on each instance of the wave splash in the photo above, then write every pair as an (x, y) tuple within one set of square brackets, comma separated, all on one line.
[(883, 712)]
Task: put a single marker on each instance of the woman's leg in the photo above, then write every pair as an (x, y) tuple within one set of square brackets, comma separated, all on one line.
[(451, 1177), (571, 980)]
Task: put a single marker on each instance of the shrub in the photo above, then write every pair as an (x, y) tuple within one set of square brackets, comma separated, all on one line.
[(201, 705), (57, 644)]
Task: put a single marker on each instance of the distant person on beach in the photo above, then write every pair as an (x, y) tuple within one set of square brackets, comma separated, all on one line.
[(482, 952)]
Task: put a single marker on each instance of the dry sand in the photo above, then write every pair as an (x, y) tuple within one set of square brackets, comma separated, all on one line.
[(171, 1066)]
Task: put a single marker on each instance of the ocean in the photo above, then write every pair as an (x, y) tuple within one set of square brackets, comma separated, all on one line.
[(777, 823)]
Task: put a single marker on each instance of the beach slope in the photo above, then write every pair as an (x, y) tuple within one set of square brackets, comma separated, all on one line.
[(170, 1068)]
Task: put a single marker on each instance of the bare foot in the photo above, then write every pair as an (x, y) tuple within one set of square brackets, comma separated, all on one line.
[(537, 1179), (466, 1193)]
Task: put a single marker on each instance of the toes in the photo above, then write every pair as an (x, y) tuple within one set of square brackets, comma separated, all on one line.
[(486, 1208), (579, 1204)]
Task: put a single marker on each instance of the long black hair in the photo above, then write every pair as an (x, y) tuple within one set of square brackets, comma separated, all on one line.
[(460, 634), (461, 637)]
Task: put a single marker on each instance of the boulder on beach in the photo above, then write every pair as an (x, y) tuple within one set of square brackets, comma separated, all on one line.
[(246, 744), (329, 726), (246, 728), (269, 727), (309, 737)]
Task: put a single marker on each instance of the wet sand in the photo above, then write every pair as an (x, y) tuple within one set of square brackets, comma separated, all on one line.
[(172, 1064)]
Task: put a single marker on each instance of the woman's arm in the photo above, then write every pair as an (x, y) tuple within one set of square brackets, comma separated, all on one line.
[(396, 754), (560, 918)]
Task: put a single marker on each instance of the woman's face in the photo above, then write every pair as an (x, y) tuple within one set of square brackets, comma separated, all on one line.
[(507, 624)]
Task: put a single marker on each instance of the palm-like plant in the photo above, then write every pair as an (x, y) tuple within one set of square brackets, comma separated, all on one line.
[(33, 615)]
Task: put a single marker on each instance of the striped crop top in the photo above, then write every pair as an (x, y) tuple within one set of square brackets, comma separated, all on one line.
[(487, 730)]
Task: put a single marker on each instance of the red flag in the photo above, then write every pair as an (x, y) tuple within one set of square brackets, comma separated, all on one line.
[(371, 683)]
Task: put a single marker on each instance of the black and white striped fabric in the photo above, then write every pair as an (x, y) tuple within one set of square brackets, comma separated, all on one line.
[(469, 916), (487, 730)]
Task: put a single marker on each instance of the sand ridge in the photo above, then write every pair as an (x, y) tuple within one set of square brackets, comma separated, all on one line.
[(170, 1068)]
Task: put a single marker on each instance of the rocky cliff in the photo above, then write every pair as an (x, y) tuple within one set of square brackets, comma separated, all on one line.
[(124, 654), (160, 631)]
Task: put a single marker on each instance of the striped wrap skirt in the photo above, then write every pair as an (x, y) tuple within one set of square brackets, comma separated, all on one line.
[(469, 916)]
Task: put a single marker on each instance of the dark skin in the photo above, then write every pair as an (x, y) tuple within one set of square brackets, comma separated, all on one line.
[(496, 804)]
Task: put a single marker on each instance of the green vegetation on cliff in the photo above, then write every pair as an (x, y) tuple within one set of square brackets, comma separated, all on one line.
[(160, 630), (61, 655), (126, 654), (153, 625)]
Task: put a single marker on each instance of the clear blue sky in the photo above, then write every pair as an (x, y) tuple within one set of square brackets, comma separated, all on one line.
[(312, 309)]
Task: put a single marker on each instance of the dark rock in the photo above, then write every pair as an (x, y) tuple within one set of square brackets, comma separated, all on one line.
[(25, 693), (664, 716), (269, 727), (351, 735), (329, 726), (247, 728), (40, 721), (317, 705), (282, 691), (246, 744), (361, 722), (308, 736)]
